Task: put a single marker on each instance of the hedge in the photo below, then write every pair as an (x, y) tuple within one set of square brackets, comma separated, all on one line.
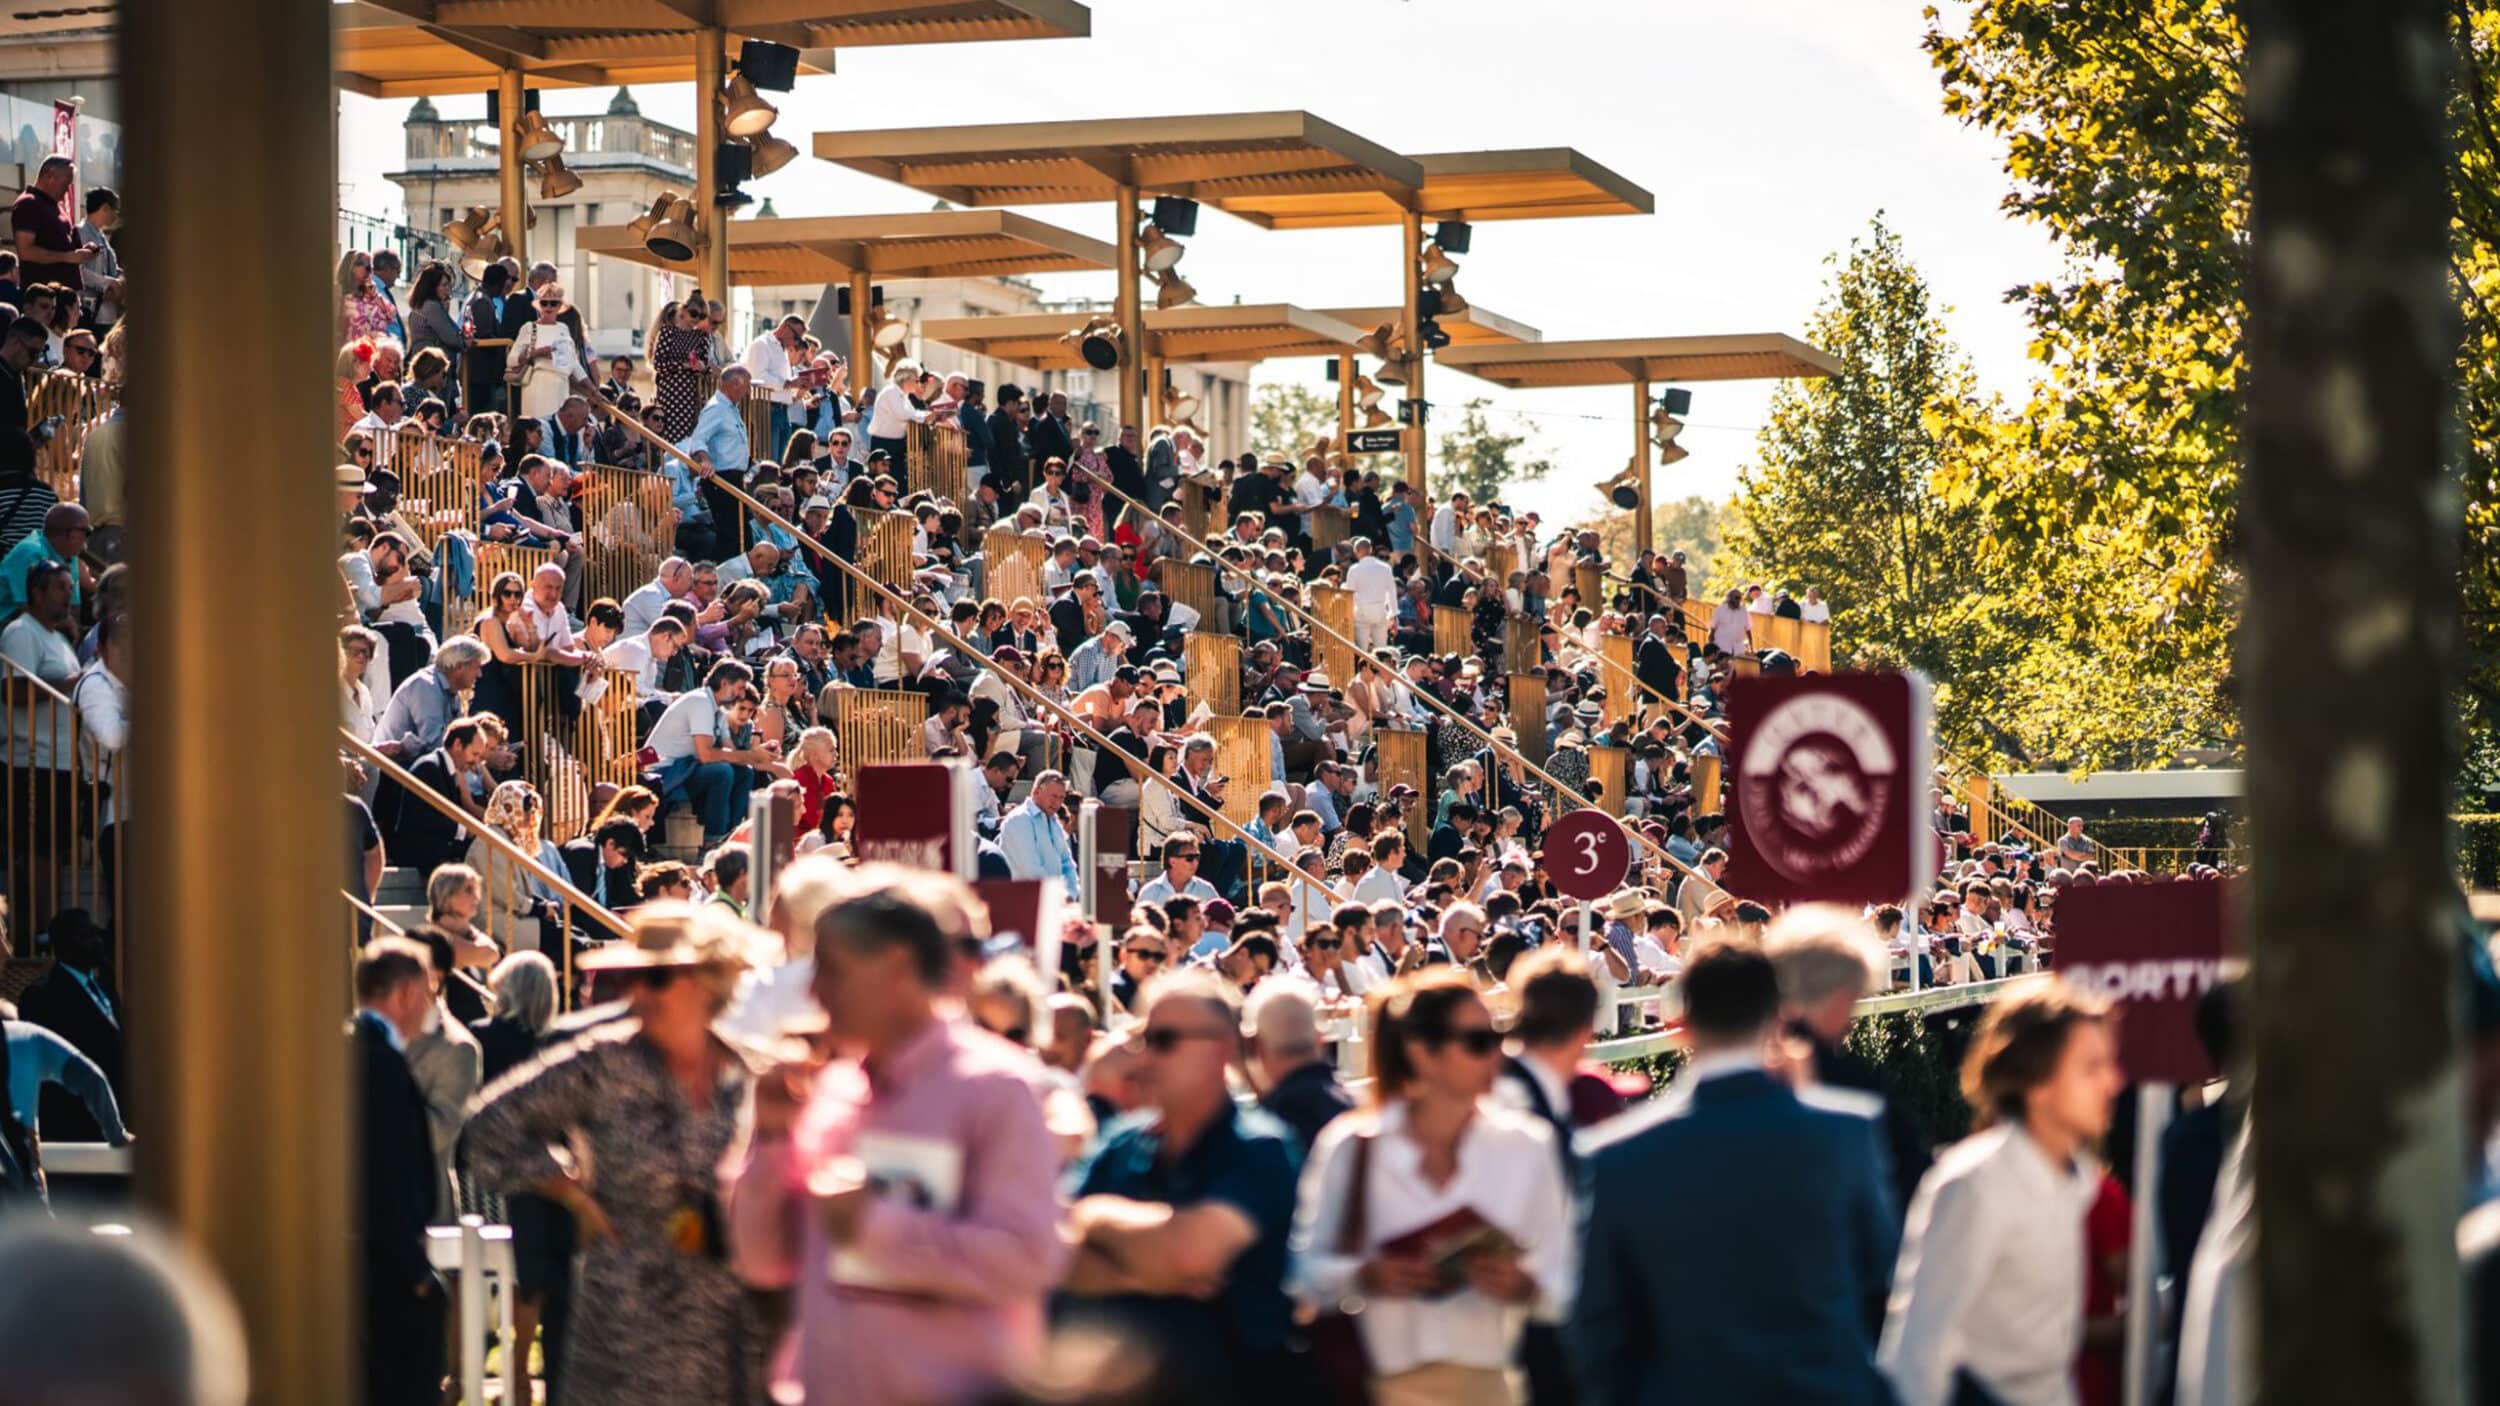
[(1918, 1057)]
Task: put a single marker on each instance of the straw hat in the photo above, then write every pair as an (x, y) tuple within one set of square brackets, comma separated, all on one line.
[(672, 936), (1626, 904)]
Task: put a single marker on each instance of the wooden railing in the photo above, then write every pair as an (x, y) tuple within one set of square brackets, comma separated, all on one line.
[(570, 900), (628, 522), (569, 747), (939, 461), (81, 402), (60, 809)]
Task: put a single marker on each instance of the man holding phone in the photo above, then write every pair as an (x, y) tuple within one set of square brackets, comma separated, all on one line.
[(48, 250)]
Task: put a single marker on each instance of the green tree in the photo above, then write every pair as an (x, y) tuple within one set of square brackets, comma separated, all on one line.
[(1479, 461), (1286, 416), (1842, 493), (2125, 141)]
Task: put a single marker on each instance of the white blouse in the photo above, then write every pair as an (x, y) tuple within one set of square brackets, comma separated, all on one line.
[(1507, 1173)]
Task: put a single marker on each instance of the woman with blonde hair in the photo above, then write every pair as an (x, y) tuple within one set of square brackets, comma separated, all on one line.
[(516, 899), (655, 1098), (1432, 1149), (363, 311), (811, 765)]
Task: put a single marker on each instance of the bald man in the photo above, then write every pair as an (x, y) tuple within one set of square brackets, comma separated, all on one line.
[(62, 538), (1300, 1086)]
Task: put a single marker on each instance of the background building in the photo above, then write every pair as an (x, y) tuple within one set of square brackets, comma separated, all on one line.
[(626, 160)]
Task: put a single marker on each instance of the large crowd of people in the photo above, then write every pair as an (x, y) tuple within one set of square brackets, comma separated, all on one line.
[(1315, 1115)]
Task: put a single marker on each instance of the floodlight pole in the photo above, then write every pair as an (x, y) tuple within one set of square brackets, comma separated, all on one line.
[(710, 61), (1641, 526), (1412, 223), (511, 97), (1135, 408)]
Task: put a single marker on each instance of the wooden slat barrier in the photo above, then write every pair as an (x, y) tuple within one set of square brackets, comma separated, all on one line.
[(1979, 793), (1774, 632), (629, 526), (1453, 630), (1405, 755), (1745, 666), (494, 559), (1212, 665), (442, 484), (1706, 783), (872, 726), (1334, 605), (1608, 768), (1814, 646), (1242, 753), (1198, 498), (1192, 583), (82, 402), (1330, 526), (1522, 651), (1592, 584), (1012, 567), (1527, 715), (564, 757), (54, 812), (1500, 560), (885, 548), (939, 461), (1615, 668), (757, 411)]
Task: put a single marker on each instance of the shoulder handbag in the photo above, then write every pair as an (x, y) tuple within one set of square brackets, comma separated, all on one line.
[(1339, 1358)]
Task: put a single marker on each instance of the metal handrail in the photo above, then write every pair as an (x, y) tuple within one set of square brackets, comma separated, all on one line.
[(573, 897), (1929, 1001), (956, 642)]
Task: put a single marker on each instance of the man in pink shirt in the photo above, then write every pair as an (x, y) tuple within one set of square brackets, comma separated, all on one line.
[(906, 1188)]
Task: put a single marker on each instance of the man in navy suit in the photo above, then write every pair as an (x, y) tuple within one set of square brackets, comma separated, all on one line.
[(403, 1300), (1737, 1241)]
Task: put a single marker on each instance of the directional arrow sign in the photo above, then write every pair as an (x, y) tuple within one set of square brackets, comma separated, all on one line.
[(1372, 441)]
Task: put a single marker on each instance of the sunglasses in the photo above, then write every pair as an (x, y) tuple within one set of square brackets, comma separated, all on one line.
[(1165, 1040), (1480, 1040), (1150, 957), (507, 593), (1189, 854)]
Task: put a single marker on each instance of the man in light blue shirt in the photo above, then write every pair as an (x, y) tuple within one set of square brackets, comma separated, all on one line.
[(412, 722), (1035, 843), (719, 443), (1180, 874), (38, 1057), (1097, 660)]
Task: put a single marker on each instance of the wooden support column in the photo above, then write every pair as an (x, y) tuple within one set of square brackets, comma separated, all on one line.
[(239, 1089), (1417, 434), (1136, 402), (1347, 370), (863, 350), (1641, 458), (710, 65), (511, 97)]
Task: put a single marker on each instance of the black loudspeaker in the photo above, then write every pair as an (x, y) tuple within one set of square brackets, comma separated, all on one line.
[(1332, 368), (732, 164), (842, 298), (1175, 216), (494, 105), (1676, 401), (772, 68), (1453, 236), (1434, 338), (1624, 495), (1428, 303)]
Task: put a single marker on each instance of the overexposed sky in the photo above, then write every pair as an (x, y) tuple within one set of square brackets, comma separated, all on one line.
[(1769, 133)]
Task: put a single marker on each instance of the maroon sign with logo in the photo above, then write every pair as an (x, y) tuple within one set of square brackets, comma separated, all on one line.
[(1587, 855), (908, 816), (2154, 950), (1831, 794), (1028, 911)]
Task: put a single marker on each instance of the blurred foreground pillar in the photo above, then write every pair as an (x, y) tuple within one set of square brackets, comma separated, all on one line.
[(238, 964)]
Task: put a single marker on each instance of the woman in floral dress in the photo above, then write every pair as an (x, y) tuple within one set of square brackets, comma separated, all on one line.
[(681, 355), (655, 1098)]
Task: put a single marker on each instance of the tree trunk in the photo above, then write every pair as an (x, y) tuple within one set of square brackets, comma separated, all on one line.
[(2351, 527)]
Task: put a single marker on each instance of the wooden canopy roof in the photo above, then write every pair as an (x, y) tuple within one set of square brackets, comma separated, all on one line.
[(1744, 357), (1283, 170), (1239, 163), (408, 48), (1247, 332), (932, 244), (1473, 328)]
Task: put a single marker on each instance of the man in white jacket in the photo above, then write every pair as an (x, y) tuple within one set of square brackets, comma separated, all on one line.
[(1016, 732)]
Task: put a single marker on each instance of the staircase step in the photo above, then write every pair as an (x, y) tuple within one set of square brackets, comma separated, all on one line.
[(407, 915)]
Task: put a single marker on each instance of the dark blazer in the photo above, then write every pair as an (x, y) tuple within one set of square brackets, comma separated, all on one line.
[(1046, 438), (421, 837), (1067, 621), (1654, 664), (1908, 1152), (398, 1163), (581, 868), (1757, 1280), (1007, 459), (61, 1005), (1308, 1099), (485, 364)]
